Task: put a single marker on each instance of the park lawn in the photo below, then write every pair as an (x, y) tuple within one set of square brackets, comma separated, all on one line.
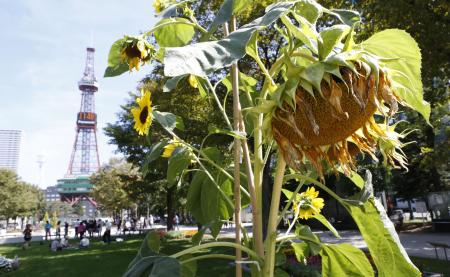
[(112, 260), (100, 259)]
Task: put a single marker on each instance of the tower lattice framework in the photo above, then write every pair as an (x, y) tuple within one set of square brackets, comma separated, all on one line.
[(84, 159)]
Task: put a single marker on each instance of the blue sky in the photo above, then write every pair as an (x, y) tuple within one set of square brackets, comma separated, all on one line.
[(43, 51)]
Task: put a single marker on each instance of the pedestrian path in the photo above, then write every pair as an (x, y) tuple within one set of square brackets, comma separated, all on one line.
[(414, 244)]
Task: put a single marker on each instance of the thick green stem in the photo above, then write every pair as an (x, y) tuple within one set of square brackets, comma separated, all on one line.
[(269, 260)]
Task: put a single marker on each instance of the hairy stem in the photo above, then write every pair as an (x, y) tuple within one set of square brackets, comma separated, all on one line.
[(269, 260)]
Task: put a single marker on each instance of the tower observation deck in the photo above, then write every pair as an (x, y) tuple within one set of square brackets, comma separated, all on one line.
[(84, 160)]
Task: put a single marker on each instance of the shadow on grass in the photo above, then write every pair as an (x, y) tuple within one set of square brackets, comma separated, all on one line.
[(101, 259)]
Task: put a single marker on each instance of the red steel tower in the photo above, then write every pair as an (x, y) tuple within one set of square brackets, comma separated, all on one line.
[(84, 159), (75, 187)]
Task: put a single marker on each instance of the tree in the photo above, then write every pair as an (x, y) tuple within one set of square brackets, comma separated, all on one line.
[(110, 185), (63, 209), (18, 198)]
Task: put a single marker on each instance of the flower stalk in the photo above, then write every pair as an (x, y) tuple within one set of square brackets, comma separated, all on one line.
[(270, 243)]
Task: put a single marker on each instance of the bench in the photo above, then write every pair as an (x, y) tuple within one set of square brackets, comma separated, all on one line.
[(437, 245)]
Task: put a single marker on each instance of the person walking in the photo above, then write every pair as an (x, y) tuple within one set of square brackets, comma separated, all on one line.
[(76, 226), (66, 229), (81, 230), (151, 220), (107, 234), (119, 224), (27, 236), (176, 221), (47, 228), (58, 229), (99, 227)]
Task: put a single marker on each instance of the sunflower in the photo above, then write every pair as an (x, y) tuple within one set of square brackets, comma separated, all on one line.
[(334, 125), (136, 51), (169, 148), (157, 6), (308, 204), (143, 113)]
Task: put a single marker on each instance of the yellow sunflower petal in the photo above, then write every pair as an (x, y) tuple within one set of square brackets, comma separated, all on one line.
[(193, 81), (318, 203), (157, 6)]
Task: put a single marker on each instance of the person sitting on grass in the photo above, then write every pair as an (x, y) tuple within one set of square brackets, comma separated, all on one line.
[(64, 242), (56, 245), (27, 236), (84, 243)]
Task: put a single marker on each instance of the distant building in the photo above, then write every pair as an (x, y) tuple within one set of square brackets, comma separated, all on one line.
[(10, 141), (51, 194), (76, 190)]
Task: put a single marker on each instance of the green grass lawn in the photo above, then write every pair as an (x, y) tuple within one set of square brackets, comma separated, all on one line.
[(100, 259), (112, 260)]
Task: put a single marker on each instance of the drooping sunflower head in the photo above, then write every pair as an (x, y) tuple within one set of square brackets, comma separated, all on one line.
[(308, 204), (136, 51), (334, 125), (142, 114), (330, 98)]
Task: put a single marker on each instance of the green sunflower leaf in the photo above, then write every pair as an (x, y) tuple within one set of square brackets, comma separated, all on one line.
[(172, 83), (204, 58), (344, 260), (301, 250), (310, 10), (188, 269), (116, 65), (299, 34), (178, 162), (327, 224), (228, 9), (330, 37), (314, 74), (153, 241), (168, 120), (400, 46), (383, 242), (174, 32)]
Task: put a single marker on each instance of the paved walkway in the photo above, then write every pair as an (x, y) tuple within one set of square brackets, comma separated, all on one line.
[(414, 244)]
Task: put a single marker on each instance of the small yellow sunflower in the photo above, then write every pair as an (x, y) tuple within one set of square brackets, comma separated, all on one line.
[(169, 148), (143, 113), (193, 81), (309, 204), (157, 6)]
